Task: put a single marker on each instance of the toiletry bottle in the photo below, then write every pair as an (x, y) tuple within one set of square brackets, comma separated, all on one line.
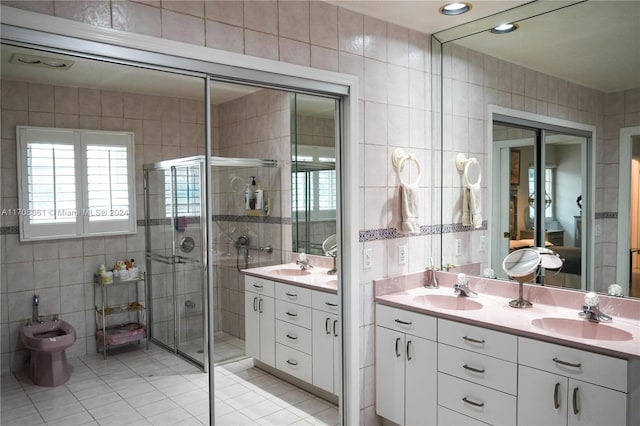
[(134, 272), (252, 193), (259, 197), (247, 197)]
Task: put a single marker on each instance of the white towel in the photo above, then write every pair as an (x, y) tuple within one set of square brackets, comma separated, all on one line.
[(472, 206), (409, 201)]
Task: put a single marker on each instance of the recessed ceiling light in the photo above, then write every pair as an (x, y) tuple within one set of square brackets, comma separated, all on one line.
[(504, 28), (456, 8)]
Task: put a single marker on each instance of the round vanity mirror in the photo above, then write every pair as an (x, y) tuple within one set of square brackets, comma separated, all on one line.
[(523, 266), (549, 259), (330, 245)]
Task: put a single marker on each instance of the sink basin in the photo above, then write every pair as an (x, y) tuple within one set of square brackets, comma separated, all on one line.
[(454, 303), (289, 272), (332, 283), (581, 328)]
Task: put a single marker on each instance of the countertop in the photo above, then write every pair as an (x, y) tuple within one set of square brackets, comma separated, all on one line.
[(619, 338), (290, 273)]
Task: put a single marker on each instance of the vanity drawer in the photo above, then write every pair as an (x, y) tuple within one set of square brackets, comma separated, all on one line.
[(478, 368), (325, 302), (292, 293), (598, 369), (487, 405), (406, 321), (293, 313), (294, 362), (448, 417), (478, 339), (293, 336), (259, 285)]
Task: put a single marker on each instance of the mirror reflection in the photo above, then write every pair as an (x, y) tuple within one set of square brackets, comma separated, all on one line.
[(589, 80)]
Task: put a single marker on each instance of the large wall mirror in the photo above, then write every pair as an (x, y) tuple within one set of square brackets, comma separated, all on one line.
[(552, 107)]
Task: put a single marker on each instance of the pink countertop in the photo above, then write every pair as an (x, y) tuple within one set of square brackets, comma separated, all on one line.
[(553, 317), (315, 278)]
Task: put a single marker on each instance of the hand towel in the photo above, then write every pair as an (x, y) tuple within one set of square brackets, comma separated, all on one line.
[(409, 201)]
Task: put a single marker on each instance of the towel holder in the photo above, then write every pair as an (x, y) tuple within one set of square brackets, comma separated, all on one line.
[(398, 157), (463, 163)]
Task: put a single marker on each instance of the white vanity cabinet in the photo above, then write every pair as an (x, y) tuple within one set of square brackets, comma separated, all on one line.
[(406, 366), (326, 341), (259, 308), (558, 385)]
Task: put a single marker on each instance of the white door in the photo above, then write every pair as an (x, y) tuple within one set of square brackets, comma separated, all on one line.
[(421, 372), (591, 405), (390, 374), (323, 353), (252, 324), (267, 312), (542, 398)]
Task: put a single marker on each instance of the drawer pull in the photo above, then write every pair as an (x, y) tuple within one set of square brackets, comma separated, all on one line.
[(576, 401), (399, 321), (472, 340), (255, 301), (294, 363), (335, 332), (409, 357), (475, 370), (397, 351), (327, 327), (258, 286), (333, 305), (475, 404), (556, 396), (292, 314), (292, 337), (567, 363), (260, 306), (293, 295)]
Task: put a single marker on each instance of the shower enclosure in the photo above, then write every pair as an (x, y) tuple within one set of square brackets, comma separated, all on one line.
[(174, 196)]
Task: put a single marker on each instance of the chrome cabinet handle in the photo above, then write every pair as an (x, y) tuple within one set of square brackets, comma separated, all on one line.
[(333, 305), (255, 301), (292, 362), (475, 370), (556, 396), (292, 314), (397, 351), (335, 333), (476, 404), (409, 357), (567, 363), (260, 306), (327, 328), (292, 337), (293, 295), (576, 401), (472, 340), (399, 321)]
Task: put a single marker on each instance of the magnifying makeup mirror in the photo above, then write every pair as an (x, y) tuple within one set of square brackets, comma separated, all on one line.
[(523, 266), (330, 248)]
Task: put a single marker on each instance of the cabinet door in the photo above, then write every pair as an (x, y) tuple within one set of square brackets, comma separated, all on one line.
[(420, 381), (594, 405), (390, 374), (322, 330), (542, 398), (252, 324), (267, 312)]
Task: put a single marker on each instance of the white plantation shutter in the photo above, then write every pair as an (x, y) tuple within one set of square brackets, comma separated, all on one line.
[(187, 191), (326, 190), (74, 183)]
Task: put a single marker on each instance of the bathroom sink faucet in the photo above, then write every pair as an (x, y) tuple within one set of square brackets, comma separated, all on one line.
[(461, 288), (591, 309), (431, 280), (303, 262)]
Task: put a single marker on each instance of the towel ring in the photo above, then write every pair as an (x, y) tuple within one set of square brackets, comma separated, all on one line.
[(398, 158), (463, 163)]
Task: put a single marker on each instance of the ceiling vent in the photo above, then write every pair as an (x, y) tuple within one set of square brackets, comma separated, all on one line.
[(41, 61)]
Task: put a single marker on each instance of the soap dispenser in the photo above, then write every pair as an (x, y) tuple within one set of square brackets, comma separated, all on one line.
[(247, 197), (259, 197), (252, 193)]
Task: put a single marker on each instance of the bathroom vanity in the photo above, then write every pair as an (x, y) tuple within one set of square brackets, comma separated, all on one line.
[(291, 324), (450, 360)]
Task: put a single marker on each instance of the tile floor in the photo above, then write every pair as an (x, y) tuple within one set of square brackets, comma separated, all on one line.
[(154, 387)]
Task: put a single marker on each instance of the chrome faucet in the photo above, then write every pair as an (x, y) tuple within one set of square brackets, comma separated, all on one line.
[(303, 262), (35, 316), (591, 309), (431, 280), (461, 288)]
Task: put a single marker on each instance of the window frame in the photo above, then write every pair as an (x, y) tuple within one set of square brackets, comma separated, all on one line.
[(83, 226)]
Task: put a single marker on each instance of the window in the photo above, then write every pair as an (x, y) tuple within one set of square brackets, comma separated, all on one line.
[(187, 191), (314, 184), (74, 183), (548, 189)]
